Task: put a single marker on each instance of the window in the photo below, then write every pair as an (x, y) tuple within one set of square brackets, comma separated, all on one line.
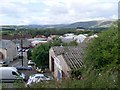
[(14, 73)]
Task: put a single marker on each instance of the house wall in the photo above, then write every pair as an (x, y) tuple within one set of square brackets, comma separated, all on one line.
[(1, 56), (65, 67), (51, 54), (60, 65), (10, 52), (3, 51)]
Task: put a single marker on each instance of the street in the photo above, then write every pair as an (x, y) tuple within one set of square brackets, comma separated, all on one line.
[(18, 62)]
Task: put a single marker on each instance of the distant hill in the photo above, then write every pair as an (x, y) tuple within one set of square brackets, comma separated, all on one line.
[(90, 24), (86, 25)]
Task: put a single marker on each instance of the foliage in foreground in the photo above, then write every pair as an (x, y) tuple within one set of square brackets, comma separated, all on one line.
[(100, 69)]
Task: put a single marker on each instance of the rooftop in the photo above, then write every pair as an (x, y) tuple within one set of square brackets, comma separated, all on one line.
[(73, 55), (4, 43)]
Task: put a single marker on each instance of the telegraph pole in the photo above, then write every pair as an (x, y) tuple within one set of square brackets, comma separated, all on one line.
[(21, 51)]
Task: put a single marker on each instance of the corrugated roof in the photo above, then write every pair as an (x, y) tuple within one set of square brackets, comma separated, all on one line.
[(73, 55)]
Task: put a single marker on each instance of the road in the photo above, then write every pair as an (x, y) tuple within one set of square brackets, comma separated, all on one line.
[(18, 62)]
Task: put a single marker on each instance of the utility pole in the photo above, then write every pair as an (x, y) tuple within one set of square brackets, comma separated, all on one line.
[(22, 51)]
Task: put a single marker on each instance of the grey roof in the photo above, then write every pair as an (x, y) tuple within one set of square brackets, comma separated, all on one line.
[(4, 43), (73, 55)]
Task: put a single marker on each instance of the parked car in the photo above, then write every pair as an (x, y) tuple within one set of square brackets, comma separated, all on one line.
[(29, 66), (26, 50), (41, 69), (30, 62), (19, 50), (3, 63), (10, 74), (36, 78), (23, 68), (23, 50)]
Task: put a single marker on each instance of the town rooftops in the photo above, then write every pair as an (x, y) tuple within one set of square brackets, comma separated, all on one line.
[(73, 55), (15, 36)]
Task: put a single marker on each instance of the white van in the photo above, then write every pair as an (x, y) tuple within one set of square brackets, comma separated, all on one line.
[(10, 74)]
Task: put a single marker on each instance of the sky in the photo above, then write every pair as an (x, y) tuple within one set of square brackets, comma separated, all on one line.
[(42, 12)]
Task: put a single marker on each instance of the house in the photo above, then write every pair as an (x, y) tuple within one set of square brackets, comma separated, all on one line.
[(36, 41), (23, 43), (8, 50), (90, 38), (67, 38), (63, 59), (80, 29), (80, 38), (39, 39)]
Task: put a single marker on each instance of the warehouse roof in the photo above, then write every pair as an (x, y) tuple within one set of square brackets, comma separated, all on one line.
[(73, 55)]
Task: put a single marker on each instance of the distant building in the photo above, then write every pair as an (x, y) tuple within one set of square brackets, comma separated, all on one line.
[(41, 37), (69, 34), (8, 50), (16, 36), (80, 29), (80, 38), (63, 59), (24, 42), (67, 38), (38, 40), (90, 38), (53, 36)]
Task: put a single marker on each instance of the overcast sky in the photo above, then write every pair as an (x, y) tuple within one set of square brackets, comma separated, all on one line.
[(22, 12)]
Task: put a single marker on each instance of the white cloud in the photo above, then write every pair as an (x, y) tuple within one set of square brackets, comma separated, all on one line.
[(56, 11)]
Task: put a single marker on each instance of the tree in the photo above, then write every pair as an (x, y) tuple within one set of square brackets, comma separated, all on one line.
[(40, 54), (103, 51)]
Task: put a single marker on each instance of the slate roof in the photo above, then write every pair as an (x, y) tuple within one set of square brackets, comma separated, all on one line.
[(4, 43), (73, 55)]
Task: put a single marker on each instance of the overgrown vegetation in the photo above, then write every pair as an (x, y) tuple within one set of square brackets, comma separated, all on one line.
[(100, 69)]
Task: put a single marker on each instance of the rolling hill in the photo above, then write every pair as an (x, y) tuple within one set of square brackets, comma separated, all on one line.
[(85, 24)]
